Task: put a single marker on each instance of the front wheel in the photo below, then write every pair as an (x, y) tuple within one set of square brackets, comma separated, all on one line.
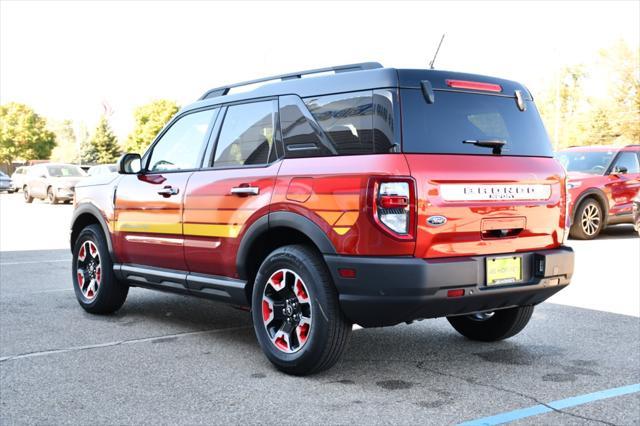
[(96, 287), (492, 326), (27, 195), (51, 196), (589, 220), (296, 315)]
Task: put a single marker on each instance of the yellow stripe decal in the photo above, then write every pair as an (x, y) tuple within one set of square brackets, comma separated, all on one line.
[(206, 230), (341, 230)]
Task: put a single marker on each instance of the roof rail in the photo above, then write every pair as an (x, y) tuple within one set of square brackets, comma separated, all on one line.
[(221, 91)]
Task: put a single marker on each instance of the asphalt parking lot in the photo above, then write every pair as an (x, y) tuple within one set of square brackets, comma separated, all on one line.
[(171, 359)]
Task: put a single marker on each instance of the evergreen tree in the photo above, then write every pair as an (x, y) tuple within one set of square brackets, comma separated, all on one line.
[(102, 148)]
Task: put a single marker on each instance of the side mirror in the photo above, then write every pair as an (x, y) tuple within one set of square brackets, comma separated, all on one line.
[(620, 170), (43, 176), (129, 164)]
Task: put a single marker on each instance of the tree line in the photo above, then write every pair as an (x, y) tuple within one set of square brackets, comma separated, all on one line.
[(26, 135), (594, 103)]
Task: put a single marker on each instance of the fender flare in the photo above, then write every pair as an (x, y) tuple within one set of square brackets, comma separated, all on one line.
[(599, 195), (280, 220), (93, 210)]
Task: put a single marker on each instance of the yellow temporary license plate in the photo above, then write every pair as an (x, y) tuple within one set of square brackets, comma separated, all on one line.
[(504, 270)]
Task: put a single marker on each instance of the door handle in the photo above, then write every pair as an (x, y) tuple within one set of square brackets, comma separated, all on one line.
[(168, 191), (245, 190)]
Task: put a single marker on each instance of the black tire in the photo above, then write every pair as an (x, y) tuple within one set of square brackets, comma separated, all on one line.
[(329, 330), (111, 293), (51, 196), (27, 195), (585, 226), (499, 325)]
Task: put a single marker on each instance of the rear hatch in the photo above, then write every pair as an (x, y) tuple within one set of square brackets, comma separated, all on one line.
[(486, 179)]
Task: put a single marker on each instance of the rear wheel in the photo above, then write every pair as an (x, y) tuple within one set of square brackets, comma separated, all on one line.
[(27, 195), (493, 326), (588, 221), (296, 314), (96, 287)]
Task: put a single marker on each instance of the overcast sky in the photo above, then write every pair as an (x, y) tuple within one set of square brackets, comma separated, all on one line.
[(65, 58)]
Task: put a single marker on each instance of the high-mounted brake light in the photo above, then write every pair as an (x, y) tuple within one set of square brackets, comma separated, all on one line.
[(474, 85), (393, 205)]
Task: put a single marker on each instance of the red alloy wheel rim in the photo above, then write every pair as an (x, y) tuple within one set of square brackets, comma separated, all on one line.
[(89, 270), (287, 311)]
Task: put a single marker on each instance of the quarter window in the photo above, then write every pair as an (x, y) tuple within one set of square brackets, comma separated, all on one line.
[(302, 136), (346, 119), (181, 146), (246, 137)]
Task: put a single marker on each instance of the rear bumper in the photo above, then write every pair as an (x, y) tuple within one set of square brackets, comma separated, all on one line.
[(388, 290)]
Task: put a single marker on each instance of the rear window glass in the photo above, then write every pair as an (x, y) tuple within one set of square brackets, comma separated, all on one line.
[(441, 127)]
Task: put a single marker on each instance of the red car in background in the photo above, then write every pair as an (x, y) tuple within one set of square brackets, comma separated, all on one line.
[(602, 182)]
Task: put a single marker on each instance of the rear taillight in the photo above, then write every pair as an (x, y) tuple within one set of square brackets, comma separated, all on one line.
[(393, 206)]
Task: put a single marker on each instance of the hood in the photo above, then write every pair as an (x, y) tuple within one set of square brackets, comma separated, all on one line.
[(69, 181), (581, 176)]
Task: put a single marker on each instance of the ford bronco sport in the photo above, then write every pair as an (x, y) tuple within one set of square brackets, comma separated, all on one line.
[(372, 196)]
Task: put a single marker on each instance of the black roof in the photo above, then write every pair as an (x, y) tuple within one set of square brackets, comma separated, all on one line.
[(348, 78)]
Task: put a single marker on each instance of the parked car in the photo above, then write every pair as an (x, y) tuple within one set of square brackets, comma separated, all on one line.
[(602, 182), (102, 169), (6, 185), (19, 178), (373, 196), (53, 182), (636, 213)]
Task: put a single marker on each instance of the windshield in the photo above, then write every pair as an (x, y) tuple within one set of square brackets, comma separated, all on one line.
[(65, 171), (593, 162), (441, 127)]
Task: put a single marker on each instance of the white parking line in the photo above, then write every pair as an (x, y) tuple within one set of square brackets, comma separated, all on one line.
[(120, 342), (33, 262)]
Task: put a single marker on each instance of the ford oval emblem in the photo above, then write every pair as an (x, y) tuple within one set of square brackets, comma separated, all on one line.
[(436, 220)]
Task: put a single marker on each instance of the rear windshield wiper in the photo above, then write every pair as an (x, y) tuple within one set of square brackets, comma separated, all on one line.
[(496, 144)]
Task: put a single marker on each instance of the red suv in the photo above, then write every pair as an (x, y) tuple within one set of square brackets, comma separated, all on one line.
[(372, 196), (603, 182)]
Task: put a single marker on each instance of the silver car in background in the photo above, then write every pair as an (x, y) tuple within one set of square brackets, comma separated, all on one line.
[(102, 169), (53, 182)]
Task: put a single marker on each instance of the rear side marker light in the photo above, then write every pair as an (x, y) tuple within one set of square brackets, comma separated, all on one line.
[(455, 293), (347, 272), (474, 85)]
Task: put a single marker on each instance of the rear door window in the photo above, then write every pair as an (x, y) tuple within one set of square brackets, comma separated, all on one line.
[(246, 137), (442, 126)]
